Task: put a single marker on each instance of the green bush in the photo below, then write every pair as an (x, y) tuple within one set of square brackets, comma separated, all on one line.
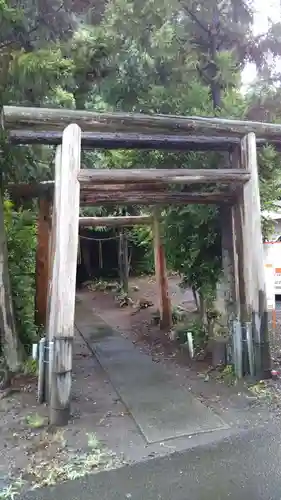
[(21, 240), (142, 239)]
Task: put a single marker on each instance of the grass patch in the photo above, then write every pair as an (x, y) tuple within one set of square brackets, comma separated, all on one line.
[(227, 375), (35, 421), (64, 467), (12, 491), (72, 466), (261, 390), (30, 367)]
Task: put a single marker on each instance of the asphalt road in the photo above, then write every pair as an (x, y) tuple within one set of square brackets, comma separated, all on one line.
[(240, 468)]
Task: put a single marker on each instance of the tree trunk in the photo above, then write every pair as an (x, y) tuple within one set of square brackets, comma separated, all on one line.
[(9, 340), (195, 296), (203, 311)]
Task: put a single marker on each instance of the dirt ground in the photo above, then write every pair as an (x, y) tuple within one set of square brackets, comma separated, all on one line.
[(141, 331), (101, 433), (32, 453), (138, 326)]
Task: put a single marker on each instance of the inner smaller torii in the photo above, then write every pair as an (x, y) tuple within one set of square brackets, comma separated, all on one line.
[(236, 192)]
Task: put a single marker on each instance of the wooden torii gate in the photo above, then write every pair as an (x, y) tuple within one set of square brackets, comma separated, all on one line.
[(165, 308), (237, 192)]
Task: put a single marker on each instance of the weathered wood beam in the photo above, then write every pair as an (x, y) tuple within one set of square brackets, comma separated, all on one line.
[(154, 198), (118, 221), (32, 190), (249, 249), (123, 258), (165, 306), (53, 270), (125, 179), (125, 188), (167, 176), (15, 117), (42, 261), (127, 140), (227, 296), (140, 194), (227, 299), (64, 274)]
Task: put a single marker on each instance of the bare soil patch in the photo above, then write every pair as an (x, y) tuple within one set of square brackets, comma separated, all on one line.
[(32, 454), (140, 329), (139, 326)]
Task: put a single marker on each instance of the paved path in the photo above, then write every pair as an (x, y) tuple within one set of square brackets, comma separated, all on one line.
[(241, 468), (161, 407)]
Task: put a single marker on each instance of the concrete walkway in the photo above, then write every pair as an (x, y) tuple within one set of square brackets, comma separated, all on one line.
[(160, 406)]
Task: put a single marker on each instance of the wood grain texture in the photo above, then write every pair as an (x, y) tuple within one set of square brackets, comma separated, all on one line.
[(123, 259), (228, 294), (166, 176), (165, 306), (228, 283), (252, 289), (33, 190), (127, 140), (67, 193), (104, 197), (118, 221), (51, 324), (141, 141), (43, 119)]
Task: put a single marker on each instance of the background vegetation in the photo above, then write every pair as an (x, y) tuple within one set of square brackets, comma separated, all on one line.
[(156, 56)]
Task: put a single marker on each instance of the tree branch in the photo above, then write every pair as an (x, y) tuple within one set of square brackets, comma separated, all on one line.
[(40, 19), (195, 18)]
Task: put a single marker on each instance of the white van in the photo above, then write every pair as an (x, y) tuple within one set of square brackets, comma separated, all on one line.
[(272, 249), (272, 256)]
